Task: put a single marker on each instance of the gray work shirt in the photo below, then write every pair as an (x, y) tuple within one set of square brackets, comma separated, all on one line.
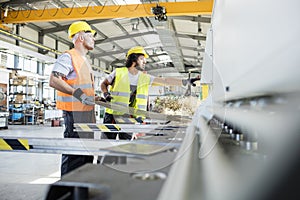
[(64, 65)]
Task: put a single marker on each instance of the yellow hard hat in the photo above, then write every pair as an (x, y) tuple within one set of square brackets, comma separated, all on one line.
[(137, 50), (78, 26)]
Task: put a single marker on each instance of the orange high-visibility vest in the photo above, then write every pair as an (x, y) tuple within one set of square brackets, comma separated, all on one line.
[(84, 80)]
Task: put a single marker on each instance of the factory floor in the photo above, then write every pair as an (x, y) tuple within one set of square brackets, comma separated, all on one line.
[(28, 175)]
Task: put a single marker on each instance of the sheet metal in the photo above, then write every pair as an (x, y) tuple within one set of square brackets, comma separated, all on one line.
[(128, 128), (143, 113), (79, 146)]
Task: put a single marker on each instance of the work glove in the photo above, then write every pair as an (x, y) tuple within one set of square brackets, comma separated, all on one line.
[(190, 81), (107, 96), (83, 98)]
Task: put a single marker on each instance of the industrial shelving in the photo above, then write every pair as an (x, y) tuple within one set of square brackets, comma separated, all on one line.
[(21, 92)]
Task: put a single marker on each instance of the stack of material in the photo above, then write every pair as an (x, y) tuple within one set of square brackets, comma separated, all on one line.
[(176, 105)]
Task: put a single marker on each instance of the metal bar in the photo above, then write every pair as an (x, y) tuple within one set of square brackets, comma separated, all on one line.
[(105, 12), (143, 113), (19, 38), (79, 146), (143, 128)]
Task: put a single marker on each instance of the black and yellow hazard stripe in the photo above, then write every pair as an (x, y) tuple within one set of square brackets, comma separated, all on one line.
[(100, 127), (125, 120), (14, 144)]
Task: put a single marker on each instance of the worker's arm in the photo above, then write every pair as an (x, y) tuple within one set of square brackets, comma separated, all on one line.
[(56, 81), (166, 81), (104, 88), (174, 81)]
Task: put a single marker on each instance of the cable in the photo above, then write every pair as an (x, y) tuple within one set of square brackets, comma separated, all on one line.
[(137, 5), (54, 13), (62, 10), (24, 15), (93, 8), (27, 13), (87, 7), (146, 10), (42, 12), (117, 9)]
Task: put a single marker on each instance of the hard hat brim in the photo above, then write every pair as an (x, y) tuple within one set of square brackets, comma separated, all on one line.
[(92, 31), (146, 55)]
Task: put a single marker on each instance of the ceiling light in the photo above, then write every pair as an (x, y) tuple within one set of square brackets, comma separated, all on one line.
[(135, 22), (6, 11)]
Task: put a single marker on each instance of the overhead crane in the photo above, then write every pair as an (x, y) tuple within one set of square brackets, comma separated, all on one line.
[(106, 12)]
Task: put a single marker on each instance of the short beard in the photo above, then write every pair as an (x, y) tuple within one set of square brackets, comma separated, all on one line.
[(88, 47), (139, 68)]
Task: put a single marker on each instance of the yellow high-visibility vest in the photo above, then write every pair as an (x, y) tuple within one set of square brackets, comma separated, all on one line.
[(84, 80), (120, 90)]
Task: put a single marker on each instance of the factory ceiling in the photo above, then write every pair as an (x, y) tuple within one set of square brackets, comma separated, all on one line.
[(172, 32)]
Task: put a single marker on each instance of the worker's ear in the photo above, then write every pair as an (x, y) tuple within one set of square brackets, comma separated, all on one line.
[(81, 38)]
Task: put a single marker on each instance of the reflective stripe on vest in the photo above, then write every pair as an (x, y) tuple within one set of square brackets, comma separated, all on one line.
[(83, 80), (142, 92), (120, 90)]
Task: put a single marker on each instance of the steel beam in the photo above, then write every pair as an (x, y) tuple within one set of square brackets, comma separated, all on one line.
[(84, 146), (106, 12)]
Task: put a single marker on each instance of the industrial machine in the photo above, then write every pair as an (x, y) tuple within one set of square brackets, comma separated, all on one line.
[(243, 142)]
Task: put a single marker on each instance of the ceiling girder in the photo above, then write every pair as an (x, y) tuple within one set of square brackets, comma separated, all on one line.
[(122, 61), (124, 37), (19, 2), (65, 27), (195, 19), (193, 57), (195, 37), (107, 12), (192, 48), (110, 53)]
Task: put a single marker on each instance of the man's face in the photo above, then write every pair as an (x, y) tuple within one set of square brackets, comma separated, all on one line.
[(141, 62), (89, 41)]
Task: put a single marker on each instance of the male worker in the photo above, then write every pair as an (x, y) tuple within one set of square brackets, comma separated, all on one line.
[(129, 86), (73, 79)]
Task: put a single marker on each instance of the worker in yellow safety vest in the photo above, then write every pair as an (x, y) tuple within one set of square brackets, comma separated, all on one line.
[(129, 86), (73, 79)]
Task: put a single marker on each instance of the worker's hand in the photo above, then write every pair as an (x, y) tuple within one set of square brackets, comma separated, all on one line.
[(107, 96), (133, 137), (190, 81), (97, 98), (83, 98)]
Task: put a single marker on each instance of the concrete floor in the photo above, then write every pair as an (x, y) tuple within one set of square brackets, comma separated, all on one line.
[(28, 175)]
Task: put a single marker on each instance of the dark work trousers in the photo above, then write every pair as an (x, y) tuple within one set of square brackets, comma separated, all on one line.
[(71, 162), (109, 119)]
